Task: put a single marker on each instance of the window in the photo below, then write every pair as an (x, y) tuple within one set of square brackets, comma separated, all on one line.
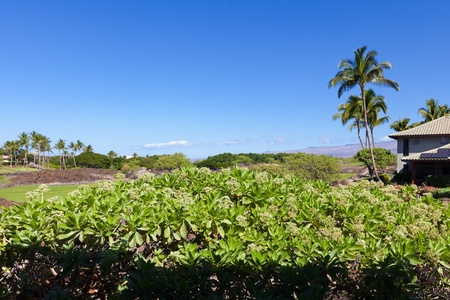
[(445, 140), (405, 147)]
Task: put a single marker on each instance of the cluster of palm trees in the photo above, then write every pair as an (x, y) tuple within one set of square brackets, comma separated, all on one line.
[(432, 111), (363, 69), (18, 150), (363, 110)]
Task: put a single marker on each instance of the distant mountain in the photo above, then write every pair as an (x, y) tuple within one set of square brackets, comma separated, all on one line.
[(336, 151), (346, 150)]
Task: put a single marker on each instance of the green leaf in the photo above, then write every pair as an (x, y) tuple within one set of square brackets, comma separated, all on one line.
[(138, 238), (221, 231), (167, 232), (183, 230), (66, 236)]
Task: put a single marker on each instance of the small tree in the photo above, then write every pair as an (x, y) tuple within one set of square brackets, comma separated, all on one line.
[(383, 158), (93, 160), (224, 160), (171, 162), (312, 166)]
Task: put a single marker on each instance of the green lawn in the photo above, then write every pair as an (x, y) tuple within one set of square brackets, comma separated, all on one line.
[(7, 169), (18, 193)]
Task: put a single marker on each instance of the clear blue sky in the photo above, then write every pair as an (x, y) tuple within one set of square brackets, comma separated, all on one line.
[(212, 76)]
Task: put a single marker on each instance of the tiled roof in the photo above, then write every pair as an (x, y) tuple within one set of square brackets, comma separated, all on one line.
[(437, 154), (439, 126)]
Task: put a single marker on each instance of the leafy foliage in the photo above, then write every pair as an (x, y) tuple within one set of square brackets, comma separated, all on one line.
[(383, 158), (236, 234), (441, 181), (216, 162), (92, 160), (172, 162), (441, 193), (311, 166)]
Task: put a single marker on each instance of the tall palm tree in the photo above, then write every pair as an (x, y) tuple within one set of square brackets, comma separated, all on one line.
[(35, 141), (79, 146), (88, 148), (375, 104), (112, 155), (360, 71), (401, 124), (433, 110), (61, 147), (16, 148), (46, 148), (24, 140), (73, 151), (351, 110)]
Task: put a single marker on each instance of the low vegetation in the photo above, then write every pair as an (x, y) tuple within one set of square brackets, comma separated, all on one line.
[(234, 234), (23, 193)]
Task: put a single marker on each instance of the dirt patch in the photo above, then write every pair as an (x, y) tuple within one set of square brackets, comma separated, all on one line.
[(6, 203), (84, 175), (362, 171)]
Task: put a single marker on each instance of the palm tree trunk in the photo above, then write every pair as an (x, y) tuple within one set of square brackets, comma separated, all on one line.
[(366, 122), (359, 136), (25, 161), (373, 141)]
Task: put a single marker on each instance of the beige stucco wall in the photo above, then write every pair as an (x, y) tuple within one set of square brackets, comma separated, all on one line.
[(416, 146)]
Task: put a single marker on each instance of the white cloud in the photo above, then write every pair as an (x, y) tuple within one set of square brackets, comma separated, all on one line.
[(280, 141), (228, 142), (324, 140), (186, 144), (386, 139), (166, 145)]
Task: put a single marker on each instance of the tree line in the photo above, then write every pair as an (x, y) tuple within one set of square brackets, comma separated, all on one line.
[(40, 148)]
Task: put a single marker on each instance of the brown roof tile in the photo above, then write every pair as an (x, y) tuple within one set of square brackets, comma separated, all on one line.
[(439, 126)]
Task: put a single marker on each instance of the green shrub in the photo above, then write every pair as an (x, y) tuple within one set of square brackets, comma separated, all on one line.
[(402, 178), (385, 178), (312, 167), (172, 162), (271, 168), (441, 193), (383, 158), (216, 162), (234, 234), (93, 160), (438, 180)]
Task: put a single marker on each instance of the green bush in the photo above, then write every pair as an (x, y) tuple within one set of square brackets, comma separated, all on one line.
[(383, 158), (311, 166), (402, 178), (438, 180), (441, 193), (216, 162), (271, 169), (171, 162), (385, 178), (93, 160), (233, 234)]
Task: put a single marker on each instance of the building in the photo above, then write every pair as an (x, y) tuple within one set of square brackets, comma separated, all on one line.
[(424, 150)]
